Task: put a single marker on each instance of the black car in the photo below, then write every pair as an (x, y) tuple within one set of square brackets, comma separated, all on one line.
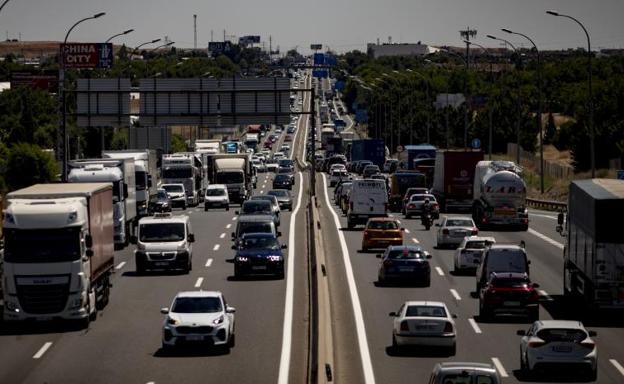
[(162, 202), (259, 254), (405, 263), (283, 198), (283, 181)]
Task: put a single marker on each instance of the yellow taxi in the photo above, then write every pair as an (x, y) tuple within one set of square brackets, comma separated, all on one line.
[(381, 232)]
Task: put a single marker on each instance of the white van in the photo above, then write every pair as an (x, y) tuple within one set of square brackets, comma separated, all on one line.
[(368, 198)]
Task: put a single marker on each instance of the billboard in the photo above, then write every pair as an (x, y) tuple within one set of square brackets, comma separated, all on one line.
[(46, 82), (316, 47), (219, 47), (319, 59), (331, 60), (86, 55), (248, 40)]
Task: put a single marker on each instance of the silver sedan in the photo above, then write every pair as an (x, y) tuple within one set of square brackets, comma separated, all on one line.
[(452, 230)]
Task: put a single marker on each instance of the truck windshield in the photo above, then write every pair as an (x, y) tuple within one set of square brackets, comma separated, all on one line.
[(177, 173), (42, 245), (141, 180), (408, 180), (161, 232), (230, 178)]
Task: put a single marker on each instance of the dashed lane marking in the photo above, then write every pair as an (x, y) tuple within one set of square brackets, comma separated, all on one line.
[(221, 236), (455, 294), (499, 367), (228, 226), (545, 295), (199, 282), (617, 366), (42, 350), (120, 265), (474, 325), (208, 262), (440, 271), (546, 238), (544, 216), (234, 218), (415, 240), (216, 247), (407, 230)]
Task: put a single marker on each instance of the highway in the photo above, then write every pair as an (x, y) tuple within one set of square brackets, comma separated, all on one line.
[(123, 345)]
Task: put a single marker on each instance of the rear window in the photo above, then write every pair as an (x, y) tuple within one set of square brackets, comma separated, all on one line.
[(257, 206), (454, 378), (422, 197), (405, 255), (562, 335), (459, 223), (425, 311), (506, 261), (382, 225), (476, 244)]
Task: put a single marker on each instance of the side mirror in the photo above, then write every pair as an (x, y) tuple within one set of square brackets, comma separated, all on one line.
[(191, 238), (535, 285), (392, 314), (229, 309), (125, 190), (403, 229), (378, 255), (592, 333), (133, 239), (560, 218), (284, 246), (559, 229), (234, 247), (89, 252), (521, 332), (522, 244), (454, 316), (279, 234), (233, 235), (237, 212), (88, 241), (427, 256), (164, 311)]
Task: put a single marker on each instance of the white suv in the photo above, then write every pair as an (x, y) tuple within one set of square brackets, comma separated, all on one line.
[(198, 317)]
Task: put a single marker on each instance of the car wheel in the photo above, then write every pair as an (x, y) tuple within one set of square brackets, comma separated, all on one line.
[(394, 343), (227, 207), (232, 340), (483, 313), (205, 208), (453, 349), (427, 283), (350, 224), (184, 207), (593, 375), (408, 216)]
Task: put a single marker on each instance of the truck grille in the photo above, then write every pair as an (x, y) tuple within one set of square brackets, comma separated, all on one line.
[(185, 330), (161, 256), (43, 299)]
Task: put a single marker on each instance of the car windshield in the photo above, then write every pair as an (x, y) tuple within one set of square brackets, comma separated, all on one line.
[(286, 162), (405, 254), (264, 197), (254, 227), (425, 311), (197, 305), (422, 197), (252, 207), (383, 225), (42, 245), (173, 188), (282, 178), (260, 243), (230, 178), (215, 192), (162, 195), (459, 223), (480, 244), (160, 232), (562, 335), (278, 193)]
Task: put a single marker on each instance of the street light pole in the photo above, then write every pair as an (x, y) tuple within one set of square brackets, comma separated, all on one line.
[(389, 116), (538, 118), (65, 145), (143, 44), (592, 132), (465, 94), (518, 112), (428, 96), (490, 117), (119, 34), (398, 104)]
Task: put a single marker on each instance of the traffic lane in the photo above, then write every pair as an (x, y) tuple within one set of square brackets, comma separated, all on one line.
[(378, 301), (545, 223), (503, 329)]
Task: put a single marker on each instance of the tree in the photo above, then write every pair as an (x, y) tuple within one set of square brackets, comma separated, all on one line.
[(177, 143), (27, 164)]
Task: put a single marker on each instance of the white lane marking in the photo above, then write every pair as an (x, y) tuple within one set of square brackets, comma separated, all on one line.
[(190, 212), (617, 366), (216, 247), (455, 294), (407, 230), (151, 382), (199, 282), (499, 367), (221, 236), (234, 218), (228, 226), (546, 238), (42, 350), (545, 295), (474, 325), (440, 271), (545, 216), (261, 191), (415, 240), (197, 209), (369, 376), (120, 265), (208, 262), (284, 367)]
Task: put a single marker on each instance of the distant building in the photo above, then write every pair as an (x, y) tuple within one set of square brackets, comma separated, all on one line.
[(418, 49)]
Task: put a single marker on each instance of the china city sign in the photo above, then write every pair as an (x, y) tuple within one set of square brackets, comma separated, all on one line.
[(87, 55)]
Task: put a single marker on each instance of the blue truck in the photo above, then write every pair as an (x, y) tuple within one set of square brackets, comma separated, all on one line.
[(369, 149)]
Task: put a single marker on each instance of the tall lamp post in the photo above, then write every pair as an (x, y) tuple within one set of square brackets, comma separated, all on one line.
[(538, 118), (592, 133), (144, 44), (164, 45), (398, 104), (65, 146), (490, 118), (428, 95), (390, 120), (119, 34), (465, 94), (518, 117)]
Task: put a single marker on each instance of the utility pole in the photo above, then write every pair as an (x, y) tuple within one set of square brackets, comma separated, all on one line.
[(194, 31), (466, 35), (211, 35)]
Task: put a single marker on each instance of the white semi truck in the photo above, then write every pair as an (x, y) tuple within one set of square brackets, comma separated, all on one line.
[(207, 146), (121, 173), (58, 256), (147, 175), (235, 171), (184, 168), (499, 194)]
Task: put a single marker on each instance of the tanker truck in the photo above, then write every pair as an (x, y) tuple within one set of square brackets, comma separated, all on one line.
[(499, 195)]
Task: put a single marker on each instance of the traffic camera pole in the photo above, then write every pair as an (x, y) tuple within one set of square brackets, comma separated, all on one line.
[(313, 139)]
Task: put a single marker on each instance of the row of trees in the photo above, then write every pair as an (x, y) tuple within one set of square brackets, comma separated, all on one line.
[(399, 108)]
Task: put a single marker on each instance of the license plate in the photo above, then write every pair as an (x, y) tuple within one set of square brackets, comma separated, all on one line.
[(561, 348), (511, 303), (259, 267), (44, 318), (161, 263), (194, 338), (406, 269)]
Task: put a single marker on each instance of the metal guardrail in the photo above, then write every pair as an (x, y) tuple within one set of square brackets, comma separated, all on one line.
[(548, 205)]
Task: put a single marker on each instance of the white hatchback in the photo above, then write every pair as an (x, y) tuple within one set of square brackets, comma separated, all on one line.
[(198, 317), (424, 323), (469, 254)]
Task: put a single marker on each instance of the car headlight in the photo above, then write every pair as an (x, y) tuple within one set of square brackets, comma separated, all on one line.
[(275, 258), (242, 259), (11, 306), (218, 320), (172, 321)]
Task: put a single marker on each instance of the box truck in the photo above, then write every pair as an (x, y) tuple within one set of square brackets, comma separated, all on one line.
[(453, 178)]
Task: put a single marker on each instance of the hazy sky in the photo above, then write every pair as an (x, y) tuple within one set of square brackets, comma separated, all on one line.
[(341, 24)]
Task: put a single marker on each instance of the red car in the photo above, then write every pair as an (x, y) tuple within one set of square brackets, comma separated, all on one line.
[(509, 294), (268, 144), (288, 138)]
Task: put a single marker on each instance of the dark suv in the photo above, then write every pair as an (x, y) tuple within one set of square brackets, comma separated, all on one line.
[(259, 253), (510, 294)]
